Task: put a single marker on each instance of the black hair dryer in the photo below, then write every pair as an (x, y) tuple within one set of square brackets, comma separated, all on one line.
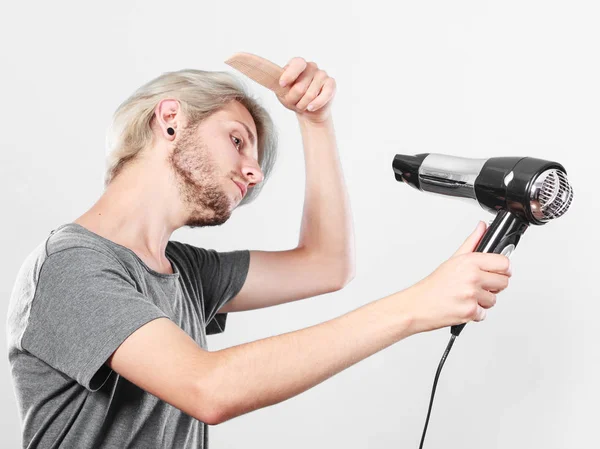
[(519, 190)]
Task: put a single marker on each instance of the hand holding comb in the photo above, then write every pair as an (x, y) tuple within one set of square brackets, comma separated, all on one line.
[(313, 92)]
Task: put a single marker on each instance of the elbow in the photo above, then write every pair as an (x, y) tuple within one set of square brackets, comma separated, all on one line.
[(207, 412), (347, 269), (344, 278), (217, 402), (210, 407), (218, 413), (216, 418), (212, 414), (211, 420)]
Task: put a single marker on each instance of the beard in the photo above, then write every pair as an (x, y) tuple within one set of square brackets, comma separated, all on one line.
[(198, 182)]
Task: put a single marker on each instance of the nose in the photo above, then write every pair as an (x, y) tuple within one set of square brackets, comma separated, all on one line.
[(252, 172)]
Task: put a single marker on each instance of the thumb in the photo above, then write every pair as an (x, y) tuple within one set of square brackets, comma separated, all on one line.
[(472, 241)]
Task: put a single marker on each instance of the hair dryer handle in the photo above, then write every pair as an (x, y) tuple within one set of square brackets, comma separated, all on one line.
[(501, 237)]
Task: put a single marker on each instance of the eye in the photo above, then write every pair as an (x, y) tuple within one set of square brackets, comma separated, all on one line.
[(238, 140)]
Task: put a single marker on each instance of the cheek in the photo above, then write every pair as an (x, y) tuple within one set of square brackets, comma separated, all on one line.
[(194, 163), (228, 158), (187, 162)]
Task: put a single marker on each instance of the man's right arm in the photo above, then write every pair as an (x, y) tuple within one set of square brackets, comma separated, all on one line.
[(214, 387)]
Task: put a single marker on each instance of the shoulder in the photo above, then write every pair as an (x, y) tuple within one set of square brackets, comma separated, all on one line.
[(75, 240), (207, 263), (61, 250), (188, 258), (61, 239), (187, 252), (191, 255)]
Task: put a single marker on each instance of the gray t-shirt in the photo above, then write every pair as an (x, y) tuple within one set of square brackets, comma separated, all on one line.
[(76, 298)]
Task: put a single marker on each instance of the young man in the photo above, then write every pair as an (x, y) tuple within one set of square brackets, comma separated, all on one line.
[(108, 318)]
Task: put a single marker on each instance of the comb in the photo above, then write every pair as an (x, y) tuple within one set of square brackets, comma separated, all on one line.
[(261, 70)]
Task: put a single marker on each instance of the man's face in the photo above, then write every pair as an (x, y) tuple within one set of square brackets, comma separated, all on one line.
[(209, 160)]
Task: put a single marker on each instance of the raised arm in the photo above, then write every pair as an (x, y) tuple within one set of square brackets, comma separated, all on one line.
[(324, 260)]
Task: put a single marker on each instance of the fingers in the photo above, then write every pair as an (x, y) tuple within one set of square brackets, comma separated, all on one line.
[(309, 87), (480, 315), (292, 71), (475, 312), (470, 244), (327, 93), (474, 308), (300, 85), (486, 299), (494, 282), (319, 79), (496, 263)]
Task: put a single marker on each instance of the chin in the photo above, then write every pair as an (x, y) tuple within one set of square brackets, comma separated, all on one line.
[(201, 222), (202, 217)]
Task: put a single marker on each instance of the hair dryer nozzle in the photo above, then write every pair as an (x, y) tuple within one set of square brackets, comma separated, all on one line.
[(406, 168)]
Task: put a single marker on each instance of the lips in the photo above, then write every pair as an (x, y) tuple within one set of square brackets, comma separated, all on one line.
[(242, 188)]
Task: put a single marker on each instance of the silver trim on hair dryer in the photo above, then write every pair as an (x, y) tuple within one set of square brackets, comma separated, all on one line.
[(450, 175)]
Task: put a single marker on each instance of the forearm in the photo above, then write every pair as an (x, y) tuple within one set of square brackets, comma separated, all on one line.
[(327, 218), (265, 372)]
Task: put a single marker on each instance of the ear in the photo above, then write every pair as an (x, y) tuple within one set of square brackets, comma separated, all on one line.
[(168, 115)]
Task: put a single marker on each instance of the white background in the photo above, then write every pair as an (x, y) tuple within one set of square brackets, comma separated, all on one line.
[(467, 78)]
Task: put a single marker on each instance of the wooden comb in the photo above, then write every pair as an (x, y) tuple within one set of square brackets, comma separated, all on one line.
[(261, 70)]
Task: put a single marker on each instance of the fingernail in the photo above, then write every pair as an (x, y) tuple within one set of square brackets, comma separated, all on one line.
[(509, 267), (282, 83), (310, 107)]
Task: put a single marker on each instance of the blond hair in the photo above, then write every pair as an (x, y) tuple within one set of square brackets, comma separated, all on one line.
[(200, 93)]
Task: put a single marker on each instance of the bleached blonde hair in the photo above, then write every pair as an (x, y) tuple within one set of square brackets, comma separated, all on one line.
[(201, 94)]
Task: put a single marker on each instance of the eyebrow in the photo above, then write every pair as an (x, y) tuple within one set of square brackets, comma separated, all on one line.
[(250, 135)]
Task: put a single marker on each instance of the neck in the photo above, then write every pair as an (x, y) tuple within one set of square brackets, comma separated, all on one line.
[(139, 209)]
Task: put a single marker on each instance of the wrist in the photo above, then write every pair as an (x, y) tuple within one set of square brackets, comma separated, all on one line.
[(403, 312), (305, 121)]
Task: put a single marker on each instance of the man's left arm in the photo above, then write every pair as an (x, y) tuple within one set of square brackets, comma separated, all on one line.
[(324, 260)]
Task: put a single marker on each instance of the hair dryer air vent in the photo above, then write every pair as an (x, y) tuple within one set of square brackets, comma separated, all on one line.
[(551, 195)]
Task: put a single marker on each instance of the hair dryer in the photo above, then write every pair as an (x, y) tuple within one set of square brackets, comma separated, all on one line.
[(519, 190)]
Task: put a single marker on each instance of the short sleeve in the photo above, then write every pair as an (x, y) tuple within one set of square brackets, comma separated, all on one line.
[(85, 305), (222, 275)]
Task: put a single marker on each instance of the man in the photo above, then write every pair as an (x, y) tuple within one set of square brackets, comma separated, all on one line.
[(108, 317)]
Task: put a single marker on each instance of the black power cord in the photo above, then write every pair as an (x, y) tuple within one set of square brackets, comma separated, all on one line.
[(437, 376)]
